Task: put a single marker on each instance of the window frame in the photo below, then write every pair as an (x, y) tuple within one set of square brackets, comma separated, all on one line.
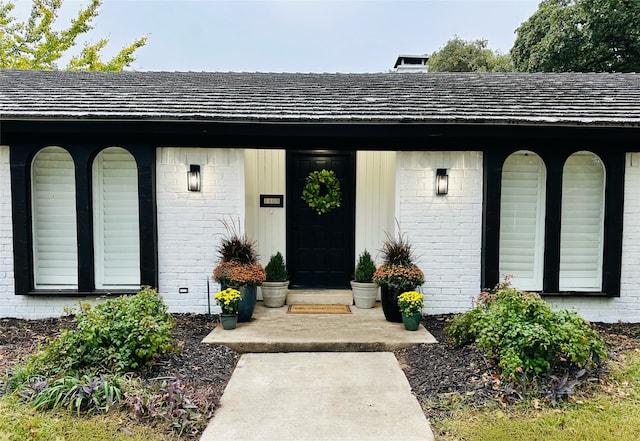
[(34, 222), (538, 261), (554, 159), (21, 159)]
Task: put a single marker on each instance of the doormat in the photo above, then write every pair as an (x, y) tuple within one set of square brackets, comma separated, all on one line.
[(318, 309)]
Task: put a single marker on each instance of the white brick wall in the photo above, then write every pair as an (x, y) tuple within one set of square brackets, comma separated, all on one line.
[(446, 230), (189, 227), (6, 247), (625, 308)]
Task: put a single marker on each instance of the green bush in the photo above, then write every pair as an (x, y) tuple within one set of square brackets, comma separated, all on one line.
[(276, 270), (525, 335), (118, 336), (365, 268)]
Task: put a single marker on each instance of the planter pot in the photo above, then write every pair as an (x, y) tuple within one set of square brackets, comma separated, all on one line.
[(274, 294), (247, 303), (411, 321), (229, 321), (389, 297), (364, 294)]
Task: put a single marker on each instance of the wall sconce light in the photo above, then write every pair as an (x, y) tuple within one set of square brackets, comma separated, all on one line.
[(442, 181), (193, 178)]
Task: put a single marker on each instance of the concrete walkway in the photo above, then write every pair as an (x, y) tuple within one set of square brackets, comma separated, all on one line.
[(306, 380), (318, 396)]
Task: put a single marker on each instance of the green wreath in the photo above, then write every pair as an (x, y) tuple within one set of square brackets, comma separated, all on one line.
[(321, 191)]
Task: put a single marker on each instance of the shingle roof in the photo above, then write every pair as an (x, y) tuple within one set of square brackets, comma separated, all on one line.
[(496, 98)]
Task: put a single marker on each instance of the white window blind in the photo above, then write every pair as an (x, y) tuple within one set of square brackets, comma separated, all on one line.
[(115, 219), (522, 220), (581, 234), (55, 250)]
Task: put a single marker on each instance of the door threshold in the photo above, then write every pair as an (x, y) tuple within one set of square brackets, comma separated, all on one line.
[(319, 297)]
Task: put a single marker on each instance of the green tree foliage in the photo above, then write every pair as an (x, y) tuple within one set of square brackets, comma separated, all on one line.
[(36, 44), (580, 36), (468, 56)]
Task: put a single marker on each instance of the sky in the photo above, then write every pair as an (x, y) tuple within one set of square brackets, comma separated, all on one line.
[(294, 35)]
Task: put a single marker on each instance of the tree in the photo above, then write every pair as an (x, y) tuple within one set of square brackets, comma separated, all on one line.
[(468, 56), (580, 36), (34, 44)]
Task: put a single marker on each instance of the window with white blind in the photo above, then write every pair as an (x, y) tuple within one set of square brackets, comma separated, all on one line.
[(55, 243), (582, 226), (522, 205), (115, 219)]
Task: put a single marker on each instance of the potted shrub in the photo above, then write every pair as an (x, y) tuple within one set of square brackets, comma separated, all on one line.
[(396, 275), (364, 290), (275, 288), (238, 268), (411, 304)]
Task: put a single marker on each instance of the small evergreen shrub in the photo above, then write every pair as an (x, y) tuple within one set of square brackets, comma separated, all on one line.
[(276, 269), (118, 336), (525, 335), (365, 268)]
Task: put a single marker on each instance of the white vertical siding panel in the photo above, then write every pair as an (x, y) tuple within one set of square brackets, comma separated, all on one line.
[(265, 174), (375, 200)]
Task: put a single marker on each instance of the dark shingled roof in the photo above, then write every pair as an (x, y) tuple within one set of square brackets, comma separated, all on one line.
[(496, 98)]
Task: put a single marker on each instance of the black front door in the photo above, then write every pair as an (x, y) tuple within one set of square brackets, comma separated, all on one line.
[(320, 248)]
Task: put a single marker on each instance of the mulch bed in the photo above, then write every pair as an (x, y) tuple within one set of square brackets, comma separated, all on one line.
[(438, 373)]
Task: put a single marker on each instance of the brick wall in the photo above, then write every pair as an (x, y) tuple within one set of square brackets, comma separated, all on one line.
[(446, 230), (6, 247), (189, 226)]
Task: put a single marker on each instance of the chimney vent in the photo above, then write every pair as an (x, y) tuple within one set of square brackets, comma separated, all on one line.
[(412, 64)]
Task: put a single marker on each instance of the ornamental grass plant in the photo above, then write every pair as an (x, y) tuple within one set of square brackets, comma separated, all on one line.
[(398, 270), (238, 260)]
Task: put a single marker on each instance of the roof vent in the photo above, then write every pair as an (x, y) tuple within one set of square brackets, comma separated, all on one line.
[(411, 64)]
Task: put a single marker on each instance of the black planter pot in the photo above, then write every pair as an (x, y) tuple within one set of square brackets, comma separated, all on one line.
[(247, 302), (389, 297)]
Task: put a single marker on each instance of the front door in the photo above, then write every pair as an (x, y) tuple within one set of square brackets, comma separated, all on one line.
[(320, 248)]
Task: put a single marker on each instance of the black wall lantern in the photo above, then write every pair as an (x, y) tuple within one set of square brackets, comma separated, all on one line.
[(442, 181), (193, 178)]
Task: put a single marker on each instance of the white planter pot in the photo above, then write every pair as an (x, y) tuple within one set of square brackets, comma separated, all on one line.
[(274, 294), (364, 294)]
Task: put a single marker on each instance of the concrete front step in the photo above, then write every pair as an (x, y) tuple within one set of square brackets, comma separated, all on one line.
[(319, 297), (273, 330)]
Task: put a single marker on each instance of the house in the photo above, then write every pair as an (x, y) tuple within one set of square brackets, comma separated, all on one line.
[(543, 172)]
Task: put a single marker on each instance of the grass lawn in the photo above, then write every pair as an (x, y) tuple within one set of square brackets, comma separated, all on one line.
[(611, 413), (18, 421)]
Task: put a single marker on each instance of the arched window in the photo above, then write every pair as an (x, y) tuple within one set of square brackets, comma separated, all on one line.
[(53, 196), (582, 225), (115, 219), (522, 210)]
